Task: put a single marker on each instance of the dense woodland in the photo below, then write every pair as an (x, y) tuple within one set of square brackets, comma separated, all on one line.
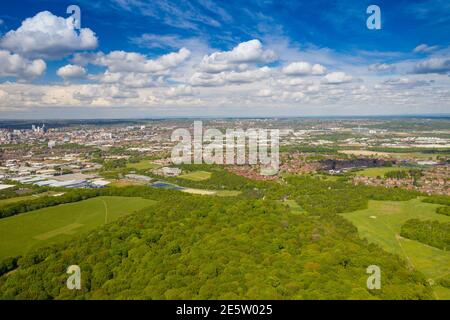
[(215, 249), (205, 247), (433, 233), (443, 210), (444, 200)]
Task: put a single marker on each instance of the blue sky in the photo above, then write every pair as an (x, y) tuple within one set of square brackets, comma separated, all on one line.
[(226, 58)]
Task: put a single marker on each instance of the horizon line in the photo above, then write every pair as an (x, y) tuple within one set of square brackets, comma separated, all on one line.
[(422, 115)]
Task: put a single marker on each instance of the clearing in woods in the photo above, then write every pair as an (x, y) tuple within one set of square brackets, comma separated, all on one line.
[(379, 171), (143, 165), (381, 223), (196, 176)]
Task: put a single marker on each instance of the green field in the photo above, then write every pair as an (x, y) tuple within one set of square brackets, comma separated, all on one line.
[(23, 198), (196, 176), (381, 224), (143, 165), (380, 171), (20, 233)]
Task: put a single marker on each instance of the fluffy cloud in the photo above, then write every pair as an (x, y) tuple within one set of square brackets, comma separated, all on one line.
[(71, 71), (132, 69), (381, 67), (230, 77), (304, 69), (407, 83), (337, 78), (424, 48), (122, 61), (48, 36), (238, 58), (294, 81), (433, 65), (13, 65), (97, 94), (247, 76), (242, 77), (179, 91), (130, 80), (292, 96), (237, 66), (264, 93)]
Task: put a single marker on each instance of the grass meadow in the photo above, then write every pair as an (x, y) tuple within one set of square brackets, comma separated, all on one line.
[(196, 176), (23, 232), (381, 224)]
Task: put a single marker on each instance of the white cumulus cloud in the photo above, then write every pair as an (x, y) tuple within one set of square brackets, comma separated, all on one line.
[(337, 78), (14, 65), (246, 52), (229, 77), (122, 61), (48, 36), (302, 68), (127, 79), (180, 91), (71, 71)]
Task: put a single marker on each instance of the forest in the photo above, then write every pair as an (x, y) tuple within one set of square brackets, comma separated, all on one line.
[(203, 247), (443, 210), (444, 200), (433, 233), (215, 248)]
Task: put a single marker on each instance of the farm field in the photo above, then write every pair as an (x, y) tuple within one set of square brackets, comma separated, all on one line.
[(20, 233), (381, 224), (365, 153), (196, 176), (143, 165), (380, 171)]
